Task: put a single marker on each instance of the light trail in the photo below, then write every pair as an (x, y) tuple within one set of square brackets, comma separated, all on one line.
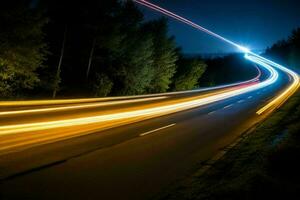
[(279, 100), (66, 108), (6, 104), (188, 22), (107, 101), (78, 126), (143, 113)]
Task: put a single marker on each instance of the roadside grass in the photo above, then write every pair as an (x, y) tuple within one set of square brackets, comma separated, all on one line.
[(264, 165)]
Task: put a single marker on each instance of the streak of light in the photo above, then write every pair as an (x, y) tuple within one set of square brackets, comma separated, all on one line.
[(91, 100), (150, 112), (188, 22), (65, 108), (143, 113), (156, 111), (279, 100)]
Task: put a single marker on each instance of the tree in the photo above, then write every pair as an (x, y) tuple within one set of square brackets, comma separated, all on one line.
[(188, 73), (280, 51), (294, 40), (57, 77), (99, 18), (136, 70), (123, 53), (164, 55), (22, 49), (102, 85), (287, 51)]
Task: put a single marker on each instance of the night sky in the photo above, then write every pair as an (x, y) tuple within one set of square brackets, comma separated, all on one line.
[(256, 24)]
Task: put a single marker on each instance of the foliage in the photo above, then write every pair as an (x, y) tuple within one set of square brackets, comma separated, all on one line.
[(225, 70), (164, 56), (294, 40), (287, 51), (22, 49), (103, 85), (124, 51), (138, 57), (108, 50), (188, 74), (137, 71)]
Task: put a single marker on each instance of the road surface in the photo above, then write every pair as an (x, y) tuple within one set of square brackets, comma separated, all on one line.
[(135, 161), (129, 147)]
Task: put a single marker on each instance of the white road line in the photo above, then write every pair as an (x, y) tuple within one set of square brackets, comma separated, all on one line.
[(212, 112), (158, 129), (249, 97), (241, 101), (228, 106)]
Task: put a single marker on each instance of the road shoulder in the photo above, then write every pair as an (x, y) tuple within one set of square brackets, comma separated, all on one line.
[(261, 164)]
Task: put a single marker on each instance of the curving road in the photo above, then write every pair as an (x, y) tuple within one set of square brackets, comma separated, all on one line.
[(133, 161), (129, 147)]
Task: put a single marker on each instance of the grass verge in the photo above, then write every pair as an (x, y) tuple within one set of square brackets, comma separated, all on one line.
[(264, 165)]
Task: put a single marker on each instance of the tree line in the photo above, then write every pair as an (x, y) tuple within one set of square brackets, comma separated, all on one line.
[(287, 51), (90, 48), (225, 69)]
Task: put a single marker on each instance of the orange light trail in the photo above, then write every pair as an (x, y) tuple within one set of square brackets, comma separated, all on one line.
[(142, 114), (6, 104), (75, 124)]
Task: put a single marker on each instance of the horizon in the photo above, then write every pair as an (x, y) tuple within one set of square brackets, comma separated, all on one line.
[(253, 34)]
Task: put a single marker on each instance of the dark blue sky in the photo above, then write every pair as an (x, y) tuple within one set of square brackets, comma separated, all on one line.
[(256, 24)]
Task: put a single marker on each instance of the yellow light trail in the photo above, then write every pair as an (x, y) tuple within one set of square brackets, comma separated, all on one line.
[(102, 99), (280, 99), (149, 112), (134, 115), (65, 108)]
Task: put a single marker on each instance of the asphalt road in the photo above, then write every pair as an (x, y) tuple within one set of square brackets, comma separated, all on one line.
[(134, 161), (25, 126)]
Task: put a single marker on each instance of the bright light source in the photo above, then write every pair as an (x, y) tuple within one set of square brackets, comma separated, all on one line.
[(244, 49)]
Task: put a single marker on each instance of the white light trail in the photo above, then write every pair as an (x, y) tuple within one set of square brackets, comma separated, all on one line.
[(188, 22), (121, 98), (92, 105), (259, 59), (159, 110), (143, 113)]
